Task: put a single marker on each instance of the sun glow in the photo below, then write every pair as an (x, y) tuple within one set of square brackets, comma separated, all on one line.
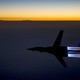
[(41, 18), (40, 11)]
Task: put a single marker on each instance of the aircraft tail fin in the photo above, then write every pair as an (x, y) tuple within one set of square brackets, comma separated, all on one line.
[(58, 39)]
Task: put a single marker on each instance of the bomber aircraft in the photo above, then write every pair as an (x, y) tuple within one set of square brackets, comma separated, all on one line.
[(57, 50)]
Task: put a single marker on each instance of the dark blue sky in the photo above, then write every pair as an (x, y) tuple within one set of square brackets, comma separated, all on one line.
[(4, 2)]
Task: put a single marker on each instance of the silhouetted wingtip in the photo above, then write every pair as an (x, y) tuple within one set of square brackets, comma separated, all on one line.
[(65, 66), (61, 30)]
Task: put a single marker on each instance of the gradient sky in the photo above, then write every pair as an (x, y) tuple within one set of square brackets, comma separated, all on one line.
[(40, 9)]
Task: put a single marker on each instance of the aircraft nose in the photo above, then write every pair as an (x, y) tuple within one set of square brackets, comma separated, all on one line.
[(31, 49), (28, 49)]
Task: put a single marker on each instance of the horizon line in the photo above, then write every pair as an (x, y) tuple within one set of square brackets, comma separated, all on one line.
[(40, 19)]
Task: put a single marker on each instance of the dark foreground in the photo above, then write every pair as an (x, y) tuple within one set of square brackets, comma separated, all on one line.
[(16, 63)]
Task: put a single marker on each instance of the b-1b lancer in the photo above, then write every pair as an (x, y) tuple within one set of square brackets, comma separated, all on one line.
[(58, 51)]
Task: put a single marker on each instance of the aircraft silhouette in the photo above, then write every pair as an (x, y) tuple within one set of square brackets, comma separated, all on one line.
[(58, 51)]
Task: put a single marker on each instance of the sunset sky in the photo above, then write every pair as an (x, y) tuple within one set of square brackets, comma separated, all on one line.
[(39, 9)]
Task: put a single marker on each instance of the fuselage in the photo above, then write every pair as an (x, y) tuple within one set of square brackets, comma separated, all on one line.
[(57, 51)]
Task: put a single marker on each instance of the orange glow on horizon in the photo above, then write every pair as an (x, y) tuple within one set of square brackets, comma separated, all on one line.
[(40, 18)]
